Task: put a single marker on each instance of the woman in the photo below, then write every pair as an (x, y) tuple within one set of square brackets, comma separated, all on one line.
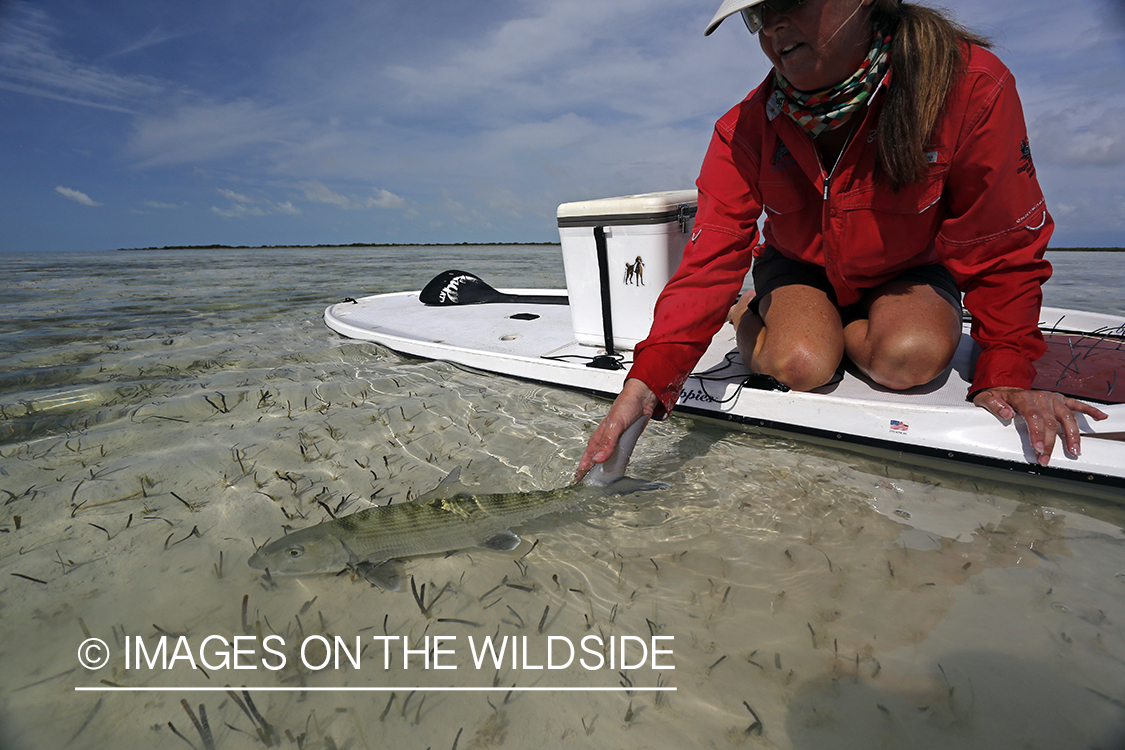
[(888, 151)]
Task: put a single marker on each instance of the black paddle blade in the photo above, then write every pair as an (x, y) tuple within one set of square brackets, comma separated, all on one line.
[(463, 288), (458, 288)]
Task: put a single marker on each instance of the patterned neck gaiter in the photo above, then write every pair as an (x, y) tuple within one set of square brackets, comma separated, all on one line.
[(820, 111)]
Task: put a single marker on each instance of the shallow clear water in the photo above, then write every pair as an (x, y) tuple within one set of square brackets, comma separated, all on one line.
[(161, 413)]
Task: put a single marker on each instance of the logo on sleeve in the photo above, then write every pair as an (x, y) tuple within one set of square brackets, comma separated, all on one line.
[(1026, 164)]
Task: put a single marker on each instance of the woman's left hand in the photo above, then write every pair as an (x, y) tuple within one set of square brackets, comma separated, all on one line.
[(1047, 414)]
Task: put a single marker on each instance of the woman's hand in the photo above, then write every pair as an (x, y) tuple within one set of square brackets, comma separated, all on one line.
[(636, 400), (1047, 414)]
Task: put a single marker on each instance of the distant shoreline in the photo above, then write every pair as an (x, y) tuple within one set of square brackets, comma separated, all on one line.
[(476, 244), (1085, 249), (353, 244)]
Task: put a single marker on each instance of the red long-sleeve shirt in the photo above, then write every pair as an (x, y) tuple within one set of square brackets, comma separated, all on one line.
[(979, 212)]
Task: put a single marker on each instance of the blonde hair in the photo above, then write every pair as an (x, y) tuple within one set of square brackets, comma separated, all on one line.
[(927, 60)]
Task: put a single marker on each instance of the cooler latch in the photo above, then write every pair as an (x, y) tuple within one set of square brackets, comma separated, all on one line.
[(684, 216)]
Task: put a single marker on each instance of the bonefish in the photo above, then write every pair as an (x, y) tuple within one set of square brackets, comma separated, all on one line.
[(442, 520)]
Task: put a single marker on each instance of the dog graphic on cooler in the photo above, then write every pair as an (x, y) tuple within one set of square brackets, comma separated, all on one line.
[(635, 270)]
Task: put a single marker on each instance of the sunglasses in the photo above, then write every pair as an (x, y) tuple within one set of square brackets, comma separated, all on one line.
[(753, 16)]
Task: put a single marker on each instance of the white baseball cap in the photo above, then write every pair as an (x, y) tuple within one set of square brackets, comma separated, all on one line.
[(751, 12)]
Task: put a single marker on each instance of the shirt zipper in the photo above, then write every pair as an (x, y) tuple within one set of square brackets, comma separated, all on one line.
[(839, 158), (826, 211)]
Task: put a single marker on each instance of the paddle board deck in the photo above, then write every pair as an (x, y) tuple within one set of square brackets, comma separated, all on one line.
[(933, 424)]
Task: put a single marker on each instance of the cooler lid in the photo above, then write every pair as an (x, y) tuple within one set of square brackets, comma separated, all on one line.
[(646, 208)]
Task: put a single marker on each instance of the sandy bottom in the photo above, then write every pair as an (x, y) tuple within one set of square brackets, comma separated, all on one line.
[(808, 598), (813, 599)]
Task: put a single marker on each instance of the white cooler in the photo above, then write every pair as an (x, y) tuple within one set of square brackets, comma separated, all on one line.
[(618, 254)]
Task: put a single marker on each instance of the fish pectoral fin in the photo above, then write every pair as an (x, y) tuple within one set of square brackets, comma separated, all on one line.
[(387, 575), (502, 541), (448, 488)]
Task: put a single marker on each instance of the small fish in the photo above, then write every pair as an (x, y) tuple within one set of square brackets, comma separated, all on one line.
[(447, 518)]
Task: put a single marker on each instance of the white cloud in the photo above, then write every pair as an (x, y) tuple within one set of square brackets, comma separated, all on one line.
[(154, 37), (1093, 135), (317, 192), (207, 131), (1062, 211), (156, 204), (463, 214), (76, 195), (239, 210), (244, 206), (506, 110), (32, 63), (236, 197), (549, 101), (630, 56), (385, 199)]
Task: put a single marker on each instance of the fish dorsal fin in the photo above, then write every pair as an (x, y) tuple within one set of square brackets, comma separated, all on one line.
[(448, 488)]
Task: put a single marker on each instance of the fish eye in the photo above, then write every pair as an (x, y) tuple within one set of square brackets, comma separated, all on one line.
[(295, 551)]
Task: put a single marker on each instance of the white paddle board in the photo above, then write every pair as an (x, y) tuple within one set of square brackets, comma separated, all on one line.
[(528, 334)]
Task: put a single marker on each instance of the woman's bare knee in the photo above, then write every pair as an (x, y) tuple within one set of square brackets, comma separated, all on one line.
[(798, 339), (800, 369), (910, 338), (909, 360)]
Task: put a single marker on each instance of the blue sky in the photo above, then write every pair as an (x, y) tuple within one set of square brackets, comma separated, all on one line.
[(135, 124)]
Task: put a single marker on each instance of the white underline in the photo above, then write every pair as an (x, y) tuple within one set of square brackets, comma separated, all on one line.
[(119, 689)]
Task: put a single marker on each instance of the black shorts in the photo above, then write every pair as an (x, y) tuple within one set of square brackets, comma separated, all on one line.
[(772, 270)]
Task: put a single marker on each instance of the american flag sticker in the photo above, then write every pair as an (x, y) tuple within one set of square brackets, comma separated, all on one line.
[(897, 426)]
